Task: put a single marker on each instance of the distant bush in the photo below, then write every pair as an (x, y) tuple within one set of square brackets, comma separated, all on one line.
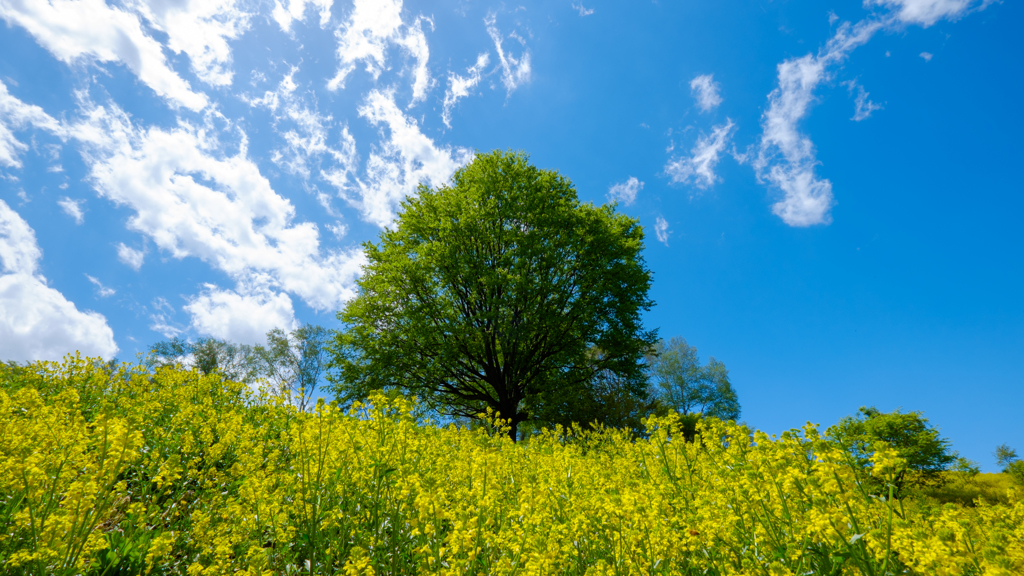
[(925, 455)]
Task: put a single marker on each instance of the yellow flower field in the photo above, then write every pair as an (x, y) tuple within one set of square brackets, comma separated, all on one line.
[(122, 471)]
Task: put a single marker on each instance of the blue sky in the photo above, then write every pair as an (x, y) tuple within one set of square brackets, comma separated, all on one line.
[(831, 191)]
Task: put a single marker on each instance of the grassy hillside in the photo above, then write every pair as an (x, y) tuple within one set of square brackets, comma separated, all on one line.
[(125, 472)]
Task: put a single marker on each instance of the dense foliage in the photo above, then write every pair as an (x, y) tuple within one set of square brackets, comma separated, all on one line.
[(927, 454), (501, 291), (123, 470)]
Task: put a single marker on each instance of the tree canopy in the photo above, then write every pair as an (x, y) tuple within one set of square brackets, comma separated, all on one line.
[(927, 454), (493, 292), (682, 383)]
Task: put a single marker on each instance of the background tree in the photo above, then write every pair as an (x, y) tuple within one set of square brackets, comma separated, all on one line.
[(681, 383), (296, 362), (293, 363), (1007, 459), (492, 291), (237, 362), (926, 453)]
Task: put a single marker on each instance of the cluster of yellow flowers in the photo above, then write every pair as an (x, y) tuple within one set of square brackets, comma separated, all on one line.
[(117, 470)]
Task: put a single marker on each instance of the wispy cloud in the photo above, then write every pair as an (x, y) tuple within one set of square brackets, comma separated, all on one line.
[(365, 36), (459, 86), (130, 257), (405, 158), (699, 167), (101, 290), (661, 230), (862, 106), (928, 12), (786, 158), (296, 10), (514, 71), (706, 92), (72, 208), (625, 192), (578, 6), (17, 115), (927, 56)]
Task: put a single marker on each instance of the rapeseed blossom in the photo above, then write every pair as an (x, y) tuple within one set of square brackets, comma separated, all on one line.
[(123, 470)]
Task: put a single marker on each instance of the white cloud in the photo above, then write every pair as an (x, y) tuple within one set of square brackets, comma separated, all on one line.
[(307, 138), (76, 30), (308, 141), (338, 229), (130, 257), (415, 43), (371, 28), (706, 91), (661, 230), (514, 71), (72, 208), (101, 290), (193, 200), (928, 12), (243, 316), (365, 37), (17, 115), (459, 86), (36, 321), (786, 158), (347, 160), (863, 106), (296, 10), (19, 251), (401, 162), (201, 29), (625, 192), (162, 321), (927, 56), (582, 10), (271, 99), (699, 167)]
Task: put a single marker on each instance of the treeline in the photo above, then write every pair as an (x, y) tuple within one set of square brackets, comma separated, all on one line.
[(299, 365)]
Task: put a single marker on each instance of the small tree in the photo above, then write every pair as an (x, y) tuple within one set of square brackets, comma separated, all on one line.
[(681, 383), (926, 453), (491, 293), (1007, 459), (296, 362)]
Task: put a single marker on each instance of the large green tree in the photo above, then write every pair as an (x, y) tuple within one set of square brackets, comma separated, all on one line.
[(492, 292)]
